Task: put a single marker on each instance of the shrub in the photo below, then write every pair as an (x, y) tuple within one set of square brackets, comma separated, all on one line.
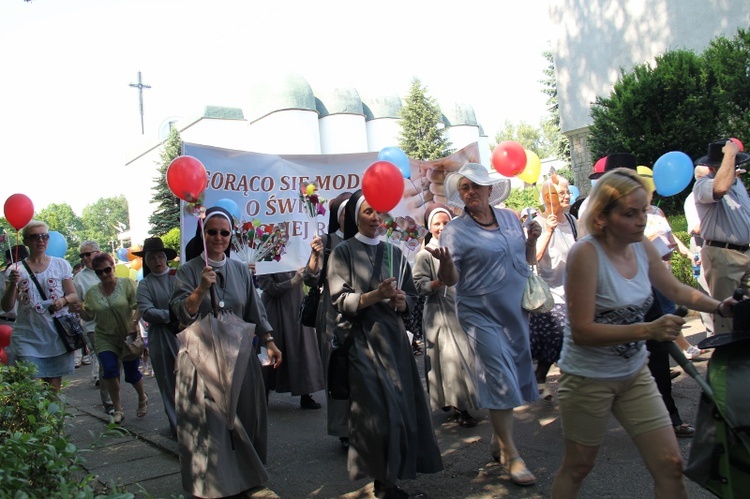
[(36, 458)]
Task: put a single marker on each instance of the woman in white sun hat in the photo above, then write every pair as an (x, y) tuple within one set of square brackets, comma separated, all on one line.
[(486, 255)]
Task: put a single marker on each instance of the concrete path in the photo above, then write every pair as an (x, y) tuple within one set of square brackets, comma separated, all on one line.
[(304, 462)]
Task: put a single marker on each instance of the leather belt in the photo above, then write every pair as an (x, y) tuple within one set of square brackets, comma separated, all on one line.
[(742, 248)]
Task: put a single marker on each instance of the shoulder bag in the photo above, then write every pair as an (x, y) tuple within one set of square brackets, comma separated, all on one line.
[(537, 297), (67, 325), (308, 312), (338, 362)]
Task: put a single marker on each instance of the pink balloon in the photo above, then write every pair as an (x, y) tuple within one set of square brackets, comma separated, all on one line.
[(19, 210), (739, 144), (509, 158)]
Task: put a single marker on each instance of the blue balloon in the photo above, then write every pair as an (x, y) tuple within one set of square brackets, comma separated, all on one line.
[(57, 245), (230, 206), (397, 157), (673, 172), (139, 275), (122, 254), (574, 193)]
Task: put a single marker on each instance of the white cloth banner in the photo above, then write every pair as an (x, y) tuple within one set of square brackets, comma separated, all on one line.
[(266, 188)]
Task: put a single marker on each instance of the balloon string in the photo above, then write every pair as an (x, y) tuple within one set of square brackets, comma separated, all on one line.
[(388, 254), (203, 237), (16, 258)]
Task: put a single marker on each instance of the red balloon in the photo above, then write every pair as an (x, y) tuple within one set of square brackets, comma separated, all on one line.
[(509, 158), (19, 210), (383, 185), (599, 165), (739, 144), (3, 356), (187, 178), (5, 332)]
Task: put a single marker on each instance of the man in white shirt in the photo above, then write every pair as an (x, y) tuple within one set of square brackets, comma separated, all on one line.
[(723, 207)]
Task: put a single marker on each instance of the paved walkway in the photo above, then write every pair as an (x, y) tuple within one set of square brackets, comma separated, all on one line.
[(304, 462)]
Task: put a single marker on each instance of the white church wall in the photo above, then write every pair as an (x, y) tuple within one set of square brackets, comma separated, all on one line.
[(139, 193), (342, 134), (227, 134), (382, 132), (285, 132)]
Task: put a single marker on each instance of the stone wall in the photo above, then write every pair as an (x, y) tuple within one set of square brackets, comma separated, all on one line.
[(580, 158)]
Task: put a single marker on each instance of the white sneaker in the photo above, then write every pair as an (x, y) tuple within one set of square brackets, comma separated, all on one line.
[(692, 352)]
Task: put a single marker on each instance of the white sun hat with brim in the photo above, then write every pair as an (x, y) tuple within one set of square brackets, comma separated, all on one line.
[(479, 175)]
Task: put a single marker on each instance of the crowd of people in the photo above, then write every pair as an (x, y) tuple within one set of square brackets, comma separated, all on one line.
[(614, 299)]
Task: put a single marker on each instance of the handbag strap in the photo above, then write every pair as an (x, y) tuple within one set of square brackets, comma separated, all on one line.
[(573, 226), (33, 278)]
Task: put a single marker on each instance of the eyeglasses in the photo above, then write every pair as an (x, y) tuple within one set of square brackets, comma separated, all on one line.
[(105, 270), (463, 189), (213, 232), (37, 237), (88, 254)]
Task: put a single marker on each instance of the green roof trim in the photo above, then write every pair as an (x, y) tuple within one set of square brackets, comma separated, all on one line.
[(223, 113)]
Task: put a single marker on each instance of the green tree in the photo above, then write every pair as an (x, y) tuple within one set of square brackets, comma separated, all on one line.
[(656, 109), (728, 65), (167, 215), (61, 218), (422, 131), (101, 220), (172, 239), (653, 110), (529, 136), (559, 144)]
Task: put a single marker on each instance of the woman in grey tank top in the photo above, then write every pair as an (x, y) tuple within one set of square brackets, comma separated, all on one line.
[(608, 283)]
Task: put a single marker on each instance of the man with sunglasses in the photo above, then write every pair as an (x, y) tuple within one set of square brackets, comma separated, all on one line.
[(83, 281)]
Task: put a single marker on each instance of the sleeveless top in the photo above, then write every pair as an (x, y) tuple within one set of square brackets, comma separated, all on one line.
[(618, 301)]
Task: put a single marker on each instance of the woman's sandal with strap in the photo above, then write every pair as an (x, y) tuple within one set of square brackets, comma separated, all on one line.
[(118, 417), (523, 477)]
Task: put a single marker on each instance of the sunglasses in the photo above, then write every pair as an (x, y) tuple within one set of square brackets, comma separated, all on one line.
[(37, 237), (213, 232), (105, 270), (88, 254)]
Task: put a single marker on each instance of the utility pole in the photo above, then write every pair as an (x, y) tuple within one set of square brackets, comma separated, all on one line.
[(140, 86)]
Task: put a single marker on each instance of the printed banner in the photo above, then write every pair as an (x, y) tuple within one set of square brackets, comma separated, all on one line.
[(266, 189)]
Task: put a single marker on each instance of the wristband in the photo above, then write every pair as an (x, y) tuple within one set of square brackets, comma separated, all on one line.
[(268, 340)]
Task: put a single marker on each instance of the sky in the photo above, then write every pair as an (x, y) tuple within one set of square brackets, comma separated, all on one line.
[(69, 120)]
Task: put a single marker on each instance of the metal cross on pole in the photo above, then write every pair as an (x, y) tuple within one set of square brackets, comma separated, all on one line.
[(140, 86)]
